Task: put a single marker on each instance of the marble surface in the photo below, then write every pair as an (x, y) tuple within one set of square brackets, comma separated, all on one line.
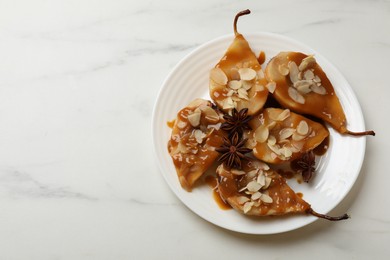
[(78, 81)]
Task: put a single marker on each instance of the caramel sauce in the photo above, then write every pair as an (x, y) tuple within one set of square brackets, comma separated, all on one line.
[(286, 174), (170, 124), (213, 183), (322, 148), (300, 194), (261, 58)]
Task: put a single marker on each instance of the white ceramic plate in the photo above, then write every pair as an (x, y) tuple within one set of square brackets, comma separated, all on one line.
[(336, 171)]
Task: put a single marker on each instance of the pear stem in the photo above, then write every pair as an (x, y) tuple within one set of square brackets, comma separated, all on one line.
[(244, 12), (360, 133), (342, 217)]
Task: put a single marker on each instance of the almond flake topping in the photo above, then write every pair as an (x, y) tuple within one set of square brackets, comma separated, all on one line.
[(286, 133), (284, 115), (247, 73), (265, 198), (253, 186), (194, 119), (234, 84), (307, 63), (247, 206), (218, 76), (303, 128), (199, 136), (242, 199), (294, 95), (261, 134), (271, 86)]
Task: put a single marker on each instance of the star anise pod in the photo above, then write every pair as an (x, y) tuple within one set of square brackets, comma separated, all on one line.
[(237, 122), (305, 165), (233, 151)]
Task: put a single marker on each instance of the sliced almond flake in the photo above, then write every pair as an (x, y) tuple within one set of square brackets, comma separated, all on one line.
[(274, 114), (210, 114), (235, 98), (287, 152), (247, 206), (247, 73), (261, 179), (294, 95), (273, 156), (271, 140), (297, 137), (260, 74), (230, 93), (302, 128), (256, 196), (268, 181), (286, 133), (199, 135), (307, 63), (181, 148), (274, 149), (235, 84), (228, 103), (266, 199), (251, 143), (246, 85), (242, 189), (298, 145), (283, 69), (318, 89), (194, 119), (284, 141), (252, 174), (293, 68), (317, 79), (300, 75), (261, 134), (258, 87), (294, 149), (284, 115), (181, 124), (218, 76), (271, 125), (253, 186), (302, 83), (237, 172), (265, 166), (304, 89), (271, 86), (243, 94), (308, 75), (242, 199)]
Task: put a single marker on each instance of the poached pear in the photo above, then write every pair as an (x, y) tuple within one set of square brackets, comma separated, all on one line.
[(257, 190), (279, 136), (238, 81), (195, 135), (303, 87)]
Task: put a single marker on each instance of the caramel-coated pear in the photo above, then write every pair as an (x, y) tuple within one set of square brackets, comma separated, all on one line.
[(238, 81), (257, 190), (303, 87), (279, 135), (195, 136)]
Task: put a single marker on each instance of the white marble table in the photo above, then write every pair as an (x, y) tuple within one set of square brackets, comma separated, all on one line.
[(78, 80)]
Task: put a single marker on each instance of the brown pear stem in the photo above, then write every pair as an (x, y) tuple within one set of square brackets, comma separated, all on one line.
[(244, 12), (342, 217), (360, 133)]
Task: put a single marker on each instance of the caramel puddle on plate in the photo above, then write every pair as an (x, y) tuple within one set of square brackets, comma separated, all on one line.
[(212, 183)]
